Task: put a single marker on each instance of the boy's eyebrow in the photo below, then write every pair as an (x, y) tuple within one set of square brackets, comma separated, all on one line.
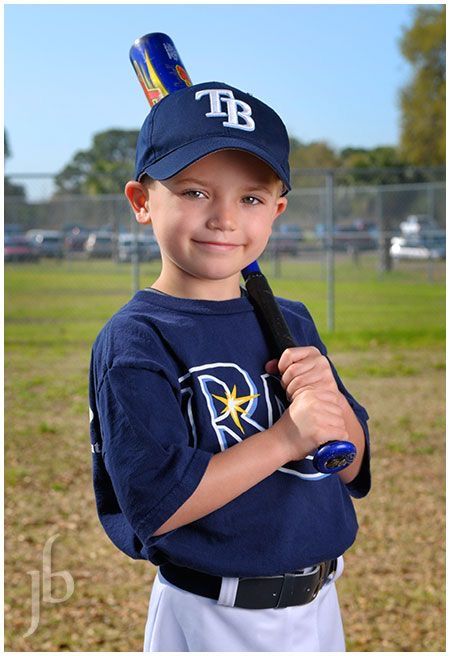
[(188, 180), (248, 188), (260, 187)]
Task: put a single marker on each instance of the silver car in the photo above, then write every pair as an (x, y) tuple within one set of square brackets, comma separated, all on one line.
[(145, 245), (100, 244), (48, 243)]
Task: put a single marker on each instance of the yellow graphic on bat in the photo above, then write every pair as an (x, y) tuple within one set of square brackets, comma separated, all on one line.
[(150, 82), (233, 405)]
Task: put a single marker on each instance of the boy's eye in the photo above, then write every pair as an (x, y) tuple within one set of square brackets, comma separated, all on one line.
[(194, 193), (251, 200)]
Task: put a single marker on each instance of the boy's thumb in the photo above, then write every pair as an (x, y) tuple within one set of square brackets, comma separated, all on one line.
[(272, 367)]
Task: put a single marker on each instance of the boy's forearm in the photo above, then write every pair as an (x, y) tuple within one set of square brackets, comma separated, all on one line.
[(229, 474), (232, 472), (356, 433)]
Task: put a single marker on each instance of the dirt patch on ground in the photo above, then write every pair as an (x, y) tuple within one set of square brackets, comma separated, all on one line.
[(392, 593)]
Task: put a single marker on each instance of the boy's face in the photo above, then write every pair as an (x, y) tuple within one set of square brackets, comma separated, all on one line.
[(211, 220)]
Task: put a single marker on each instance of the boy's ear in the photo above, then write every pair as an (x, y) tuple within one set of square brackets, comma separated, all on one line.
[(137, 196), (282, 202)]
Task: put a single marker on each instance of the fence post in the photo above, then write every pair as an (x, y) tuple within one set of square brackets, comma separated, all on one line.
[(385, 260), (329, 213), (430, 201), (276, 258)]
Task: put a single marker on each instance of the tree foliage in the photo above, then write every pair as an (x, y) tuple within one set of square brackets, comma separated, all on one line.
[(10, 189), (355, 165), (6, 147), (102, 169), (423, 99), (314, 155), (376, 166)]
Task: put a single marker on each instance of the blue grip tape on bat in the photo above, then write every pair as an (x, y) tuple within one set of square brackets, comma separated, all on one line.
[(160, 71)]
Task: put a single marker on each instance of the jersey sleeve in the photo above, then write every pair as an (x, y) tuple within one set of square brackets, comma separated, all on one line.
[(144, 464), (360, 486)]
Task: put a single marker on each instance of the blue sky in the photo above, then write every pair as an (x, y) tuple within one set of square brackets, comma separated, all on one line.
[(333, 72)]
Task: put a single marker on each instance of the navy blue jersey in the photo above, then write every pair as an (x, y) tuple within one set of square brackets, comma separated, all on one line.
[(174, 381)]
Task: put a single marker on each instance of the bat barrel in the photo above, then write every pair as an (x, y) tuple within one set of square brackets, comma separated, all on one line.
[(158, 66)]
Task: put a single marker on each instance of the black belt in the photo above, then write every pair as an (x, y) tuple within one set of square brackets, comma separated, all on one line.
[(293, 589)]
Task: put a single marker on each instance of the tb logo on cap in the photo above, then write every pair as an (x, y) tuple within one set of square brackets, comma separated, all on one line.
[(219, 96)]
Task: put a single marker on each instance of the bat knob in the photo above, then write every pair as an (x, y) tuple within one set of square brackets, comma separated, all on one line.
[(334, 456)]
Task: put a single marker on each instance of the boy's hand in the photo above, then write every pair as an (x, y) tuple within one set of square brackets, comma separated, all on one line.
[(303, 367), (313, 418)]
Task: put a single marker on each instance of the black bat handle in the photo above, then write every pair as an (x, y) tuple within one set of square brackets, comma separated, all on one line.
[(334, 455), (269, 313)]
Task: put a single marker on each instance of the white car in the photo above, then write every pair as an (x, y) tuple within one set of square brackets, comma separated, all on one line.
[(418, 248)]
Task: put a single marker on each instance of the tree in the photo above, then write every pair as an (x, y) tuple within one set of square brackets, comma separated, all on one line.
[(11, 189), (422, 101), (104, 168), (6, 145), (377, 166), (314, 155)]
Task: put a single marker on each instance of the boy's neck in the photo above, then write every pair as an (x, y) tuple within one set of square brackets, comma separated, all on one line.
[(211, 290)]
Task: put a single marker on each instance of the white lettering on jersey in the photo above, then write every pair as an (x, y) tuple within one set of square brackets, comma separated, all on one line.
[(231, 397)]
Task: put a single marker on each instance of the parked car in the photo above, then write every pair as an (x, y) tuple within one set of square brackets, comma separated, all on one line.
[(50, 243), (285, 239), (356, 236), (17, 248), (418, 248), (75, 238), (13, 229), (100, 244), (147, 247), (359, 235)]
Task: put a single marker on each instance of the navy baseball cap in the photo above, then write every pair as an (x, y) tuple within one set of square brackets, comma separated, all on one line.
[(193, 122)]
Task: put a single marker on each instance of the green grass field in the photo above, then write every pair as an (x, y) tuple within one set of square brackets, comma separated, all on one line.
[(389, 347)]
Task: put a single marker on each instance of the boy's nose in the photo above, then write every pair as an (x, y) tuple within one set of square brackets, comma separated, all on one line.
[(222, 217)]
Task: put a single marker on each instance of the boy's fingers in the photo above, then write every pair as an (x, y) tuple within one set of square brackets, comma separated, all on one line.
[(291, 355), (298, 369), (299, 383)]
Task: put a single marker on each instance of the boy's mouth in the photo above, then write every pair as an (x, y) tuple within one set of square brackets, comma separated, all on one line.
[(216, 245)]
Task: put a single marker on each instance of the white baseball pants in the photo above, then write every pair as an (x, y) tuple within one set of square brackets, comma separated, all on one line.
[(181, 621)]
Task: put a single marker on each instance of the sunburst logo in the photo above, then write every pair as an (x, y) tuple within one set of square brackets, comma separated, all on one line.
[(232, 405)]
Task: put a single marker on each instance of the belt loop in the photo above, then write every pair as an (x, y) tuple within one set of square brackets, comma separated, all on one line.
[(228, 591)]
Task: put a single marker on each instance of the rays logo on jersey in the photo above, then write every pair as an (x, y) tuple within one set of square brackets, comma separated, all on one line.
[(224, 396)]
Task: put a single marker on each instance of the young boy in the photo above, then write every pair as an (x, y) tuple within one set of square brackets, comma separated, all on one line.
[(201, 441)]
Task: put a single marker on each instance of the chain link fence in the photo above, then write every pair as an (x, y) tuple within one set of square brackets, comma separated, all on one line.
[(327, 220)]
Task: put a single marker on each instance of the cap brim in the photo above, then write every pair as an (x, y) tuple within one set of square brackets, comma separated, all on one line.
[(186, 155)]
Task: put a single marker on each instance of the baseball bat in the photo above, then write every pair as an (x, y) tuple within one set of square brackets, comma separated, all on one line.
[(160, 71)]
